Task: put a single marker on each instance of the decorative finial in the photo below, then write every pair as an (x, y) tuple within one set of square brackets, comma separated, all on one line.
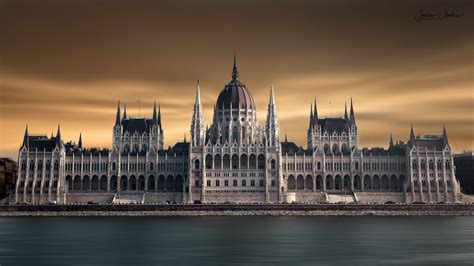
[(235, 73)]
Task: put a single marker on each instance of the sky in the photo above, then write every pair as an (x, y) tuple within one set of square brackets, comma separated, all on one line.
[(69, 62)]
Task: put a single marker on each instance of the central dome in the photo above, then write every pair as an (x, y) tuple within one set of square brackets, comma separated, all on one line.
[(235, 94)]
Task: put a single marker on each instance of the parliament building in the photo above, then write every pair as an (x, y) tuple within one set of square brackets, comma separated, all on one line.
[(235, 160)]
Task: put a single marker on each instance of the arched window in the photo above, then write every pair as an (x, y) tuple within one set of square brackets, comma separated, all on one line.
[(114, 165), (217, 161), (414, 166), (447, 165), (208, 161), (335, 148), (235, 161), (356, 166), (243, 161), (151, 166), (261, 161), (226, 161), (196, 164), (273, 164), (235, 135), (144, 147), (135, 147), (234, 183), (319, 165), (431, 165), (252, 161)]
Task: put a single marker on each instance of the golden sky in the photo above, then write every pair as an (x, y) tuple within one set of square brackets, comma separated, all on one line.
[(69, 62)]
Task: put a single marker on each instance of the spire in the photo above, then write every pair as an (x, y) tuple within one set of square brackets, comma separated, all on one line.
[(184, 139), (391, 141), (124, 111), (345, 111), (272, 125), (197, 122), (286, 137), (58, 135), (315, 114), (154, 114), (272, 96), (117, 118), (80, 141), (159, 114), (445, 136), (311, 117), (352, 116), (25, 138), (412, 136), (235, 73)]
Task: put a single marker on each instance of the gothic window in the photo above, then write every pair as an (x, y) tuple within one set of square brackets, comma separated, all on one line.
[(234, 183), (226, 161), (196, 164), (252, 183), (423, 165), (356, 166), (127, 148), (235, 135), (319, 165), (235, 161), (208, 183), (262, 182), (273, 164), (431, 165), (226, 183), (208, 161), (244, 183), (252, 161), (414, 166), (196, 183), (218, 183), (439, 165), (261, 161), (326, 148), (447, 165), (151, 166), (48, 165), (144, 147), (243, 161), (217, 161), (335, 148)]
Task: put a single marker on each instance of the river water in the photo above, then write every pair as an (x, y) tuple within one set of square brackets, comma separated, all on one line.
[(237, 240)]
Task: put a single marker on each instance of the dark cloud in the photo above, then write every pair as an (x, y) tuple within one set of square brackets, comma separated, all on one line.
[(71, 61)]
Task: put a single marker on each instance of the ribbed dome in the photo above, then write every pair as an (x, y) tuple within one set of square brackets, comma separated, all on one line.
[(235, 94)]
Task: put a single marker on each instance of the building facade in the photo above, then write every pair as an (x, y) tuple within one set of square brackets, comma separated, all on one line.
[(234, 159)]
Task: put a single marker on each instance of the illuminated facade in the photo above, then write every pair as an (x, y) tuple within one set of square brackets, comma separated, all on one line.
[(235, 159)]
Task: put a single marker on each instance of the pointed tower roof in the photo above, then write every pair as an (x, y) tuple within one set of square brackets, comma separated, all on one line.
[(25, 137), (235, 72), (159, 114), (445, 136), (391, 141), (345, 111), (286, 137), (352, 115), (155, 119), (58, 135), (311, 117), (117, 118), (412, 135), (315, 114), (79, 144), (124, 111)]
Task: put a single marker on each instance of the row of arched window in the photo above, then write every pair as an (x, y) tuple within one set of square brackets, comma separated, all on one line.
[(439, 164), (234, 162), (39, 165)]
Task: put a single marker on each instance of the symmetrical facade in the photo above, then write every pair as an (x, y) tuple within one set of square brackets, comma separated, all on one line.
[(235, 159)]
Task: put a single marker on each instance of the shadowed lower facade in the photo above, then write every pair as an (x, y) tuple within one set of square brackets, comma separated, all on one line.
[(234, 159)]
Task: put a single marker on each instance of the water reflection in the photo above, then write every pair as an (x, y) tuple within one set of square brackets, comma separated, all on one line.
[(237, 240)]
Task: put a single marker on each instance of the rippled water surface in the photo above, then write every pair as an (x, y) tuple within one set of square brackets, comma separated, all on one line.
[(237, 240)]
